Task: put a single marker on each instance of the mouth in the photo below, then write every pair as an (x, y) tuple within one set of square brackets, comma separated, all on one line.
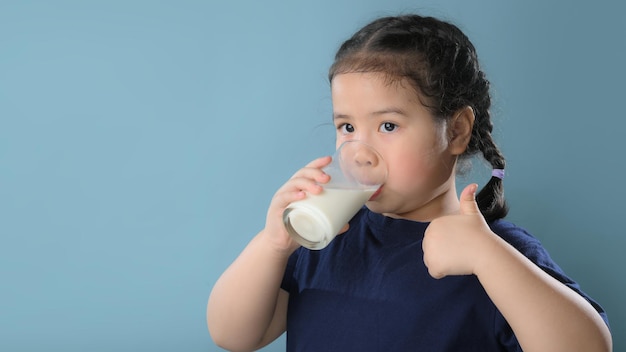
[(376, 193)]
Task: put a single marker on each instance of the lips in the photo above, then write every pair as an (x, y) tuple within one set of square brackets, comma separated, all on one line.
[(376, 193)]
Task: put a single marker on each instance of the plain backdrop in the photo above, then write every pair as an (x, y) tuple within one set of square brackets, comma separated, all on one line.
[(141, 143)]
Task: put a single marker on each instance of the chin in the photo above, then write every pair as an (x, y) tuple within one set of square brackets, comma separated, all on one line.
[(375, 207)]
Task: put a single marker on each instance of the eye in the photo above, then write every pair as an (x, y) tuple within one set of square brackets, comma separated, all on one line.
[(346, 128), (388, 127)]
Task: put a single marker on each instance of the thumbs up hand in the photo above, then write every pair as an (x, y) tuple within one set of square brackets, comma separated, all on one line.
[(454, 244)]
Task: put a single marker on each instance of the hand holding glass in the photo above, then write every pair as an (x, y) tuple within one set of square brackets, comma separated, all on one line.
[(356, 172)]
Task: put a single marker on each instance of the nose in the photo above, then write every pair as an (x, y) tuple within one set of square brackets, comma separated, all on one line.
[(365, 157)]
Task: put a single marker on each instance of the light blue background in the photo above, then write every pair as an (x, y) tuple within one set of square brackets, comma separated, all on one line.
[(141, 142)]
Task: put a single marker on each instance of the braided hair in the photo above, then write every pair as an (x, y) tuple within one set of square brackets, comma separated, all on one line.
[(441, 64)]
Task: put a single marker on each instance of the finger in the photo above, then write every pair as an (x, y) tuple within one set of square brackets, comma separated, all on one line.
[(435, 274), (431, 267), (344, 229), (300, 184), (281, 201), (313, 170), (320, 162), (468, 200)]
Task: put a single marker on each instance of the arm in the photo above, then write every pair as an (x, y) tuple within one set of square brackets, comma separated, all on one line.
[(246, 308), (247, 300), (545, 314)]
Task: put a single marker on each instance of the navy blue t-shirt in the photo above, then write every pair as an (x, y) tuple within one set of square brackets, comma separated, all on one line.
[(369, 290)]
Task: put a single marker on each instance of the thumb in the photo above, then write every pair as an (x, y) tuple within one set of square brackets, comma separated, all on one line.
[(468, 200)]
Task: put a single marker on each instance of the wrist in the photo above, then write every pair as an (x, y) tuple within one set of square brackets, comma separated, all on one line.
[(280, 246), (487, 252)]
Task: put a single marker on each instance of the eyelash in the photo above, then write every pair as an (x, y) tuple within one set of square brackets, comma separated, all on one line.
[(344, 126), (388, 124), (383, 127)]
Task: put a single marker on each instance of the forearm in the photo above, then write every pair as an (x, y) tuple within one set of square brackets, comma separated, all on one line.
[(243, 300), (545, 314)]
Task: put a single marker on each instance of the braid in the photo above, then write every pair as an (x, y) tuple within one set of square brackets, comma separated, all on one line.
[(442, 65), (491, 198)]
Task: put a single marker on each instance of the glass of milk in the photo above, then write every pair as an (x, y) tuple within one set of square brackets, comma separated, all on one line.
[(356, 172)]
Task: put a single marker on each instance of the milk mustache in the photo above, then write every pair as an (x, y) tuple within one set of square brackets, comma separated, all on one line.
[(356, 172)]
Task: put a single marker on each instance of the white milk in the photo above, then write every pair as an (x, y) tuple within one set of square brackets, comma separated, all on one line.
[(315, 221)]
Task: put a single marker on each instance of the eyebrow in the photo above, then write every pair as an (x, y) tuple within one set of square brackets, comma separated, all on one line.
[(385, 111)]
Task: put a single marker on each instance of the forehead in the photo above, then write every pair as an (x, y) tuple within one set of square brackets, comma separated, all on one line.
[(379, 80), (372, 90)]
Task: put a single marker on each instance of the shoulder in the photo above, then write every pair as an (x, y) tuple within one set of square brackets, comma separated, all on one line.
[(526, 243), (530, 247), (516, 236)]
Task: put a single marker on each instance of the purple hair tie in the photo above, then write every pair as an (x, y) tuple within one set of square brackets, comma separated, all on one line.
[(499, 173)]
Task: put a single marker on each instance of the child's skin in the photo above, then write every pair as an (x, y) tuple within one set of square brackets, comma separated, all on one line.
[(247, 308)]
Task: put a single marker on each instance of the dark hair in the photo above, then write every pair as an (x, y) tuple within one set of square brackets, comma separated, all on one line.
[(441, 64)]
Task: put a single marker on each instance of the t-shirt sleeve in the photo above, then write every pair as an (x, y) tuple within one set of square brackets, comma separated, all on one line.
[(531, 247), (288, 277)]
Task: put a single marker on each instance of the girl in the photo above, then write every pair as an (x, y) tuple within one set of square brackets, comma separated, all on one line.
[(417, 269)]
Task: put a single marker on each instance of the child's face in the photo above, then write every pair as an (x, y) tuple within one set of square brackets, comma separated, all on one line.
[(390, 117)]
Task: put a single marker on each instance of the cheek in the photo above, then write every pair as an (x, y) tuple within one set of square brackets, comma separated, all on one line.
[(414, 168), (407, 168)]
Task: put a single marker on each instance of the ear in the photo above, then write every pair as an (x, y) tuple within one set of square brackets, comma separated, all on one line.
[(460, 130)]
